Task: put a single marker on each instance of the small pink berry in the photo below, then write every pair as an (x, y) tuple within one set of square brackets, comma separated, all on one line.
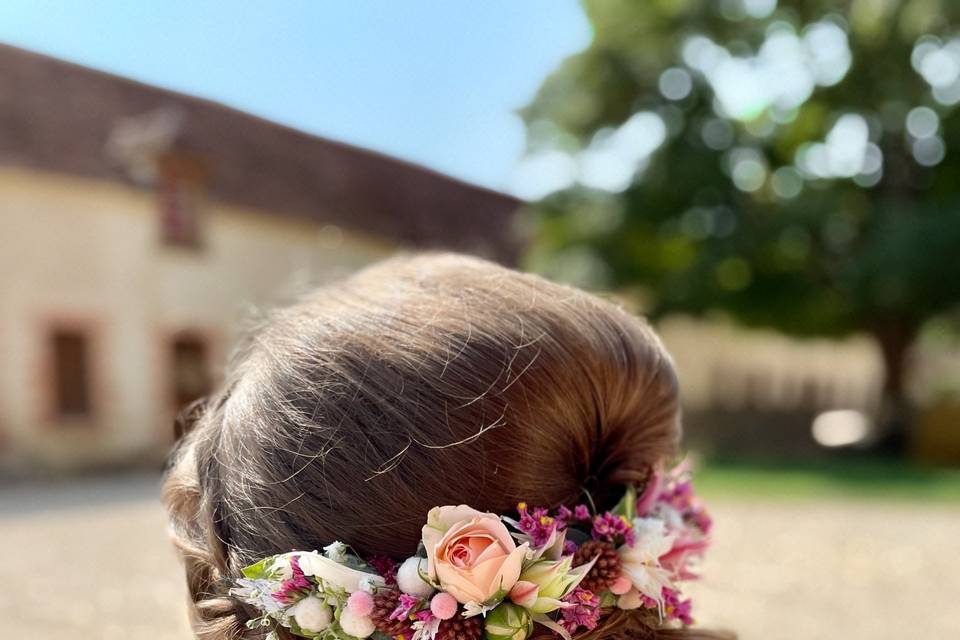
[(620, 586), (360, 604), (443, 605)]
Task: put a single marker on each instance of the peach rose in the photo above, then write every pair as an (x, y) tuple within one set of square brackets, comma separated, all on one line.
[(471, 554)]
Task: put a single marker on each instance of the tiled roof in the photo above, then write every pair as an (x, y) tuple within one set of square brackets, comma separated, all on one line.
[(59, 116)]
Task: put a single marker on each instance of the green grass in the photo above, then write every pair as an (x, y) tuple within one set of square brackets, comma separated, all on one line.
[(857, 478)]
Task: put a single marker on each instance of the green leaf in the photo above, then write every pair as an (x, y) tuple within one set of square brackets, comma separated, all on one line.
[(260, 570), (627, 507), (607, 600)]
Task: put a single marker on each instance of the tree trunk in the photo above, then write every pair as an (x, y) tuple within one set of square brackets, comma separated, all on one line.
[(895, 340)]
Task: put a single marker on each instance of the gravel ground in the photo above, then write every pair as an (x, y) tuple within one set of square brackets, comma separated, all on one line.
[(90, 560)]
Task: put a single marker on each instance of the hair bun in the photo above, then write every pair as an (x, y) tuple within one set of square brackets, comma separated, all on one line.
[(418, 382)]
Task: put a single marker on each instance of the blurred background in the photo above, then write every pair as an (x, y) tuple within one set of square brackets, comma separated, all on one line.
[(773, 183)]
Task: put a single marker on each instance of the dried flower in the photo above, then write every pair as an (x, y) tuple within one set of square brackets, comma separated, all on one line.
[(676, 609), (386, 567), (611, 528), (405, 604), (584, 612), (537, 524)]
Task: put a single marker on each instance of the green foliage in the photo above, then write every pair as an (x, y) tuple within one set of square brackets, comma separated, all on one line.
[(747, 206), (840, 479), (627, 507), (508, 622), (262, 570)]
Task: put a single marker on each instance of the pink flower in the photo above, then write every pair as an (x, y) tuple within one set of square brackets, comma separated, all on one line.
[(536, 524), (674, 490), (360, 603), (651, 492), (611, 528), (678, 560), (676, 609), (424, 615), (443, 606), (701, 520), (386, 567), (292, 588), (471, 554), (565, 515), (404, 606), (584, 611)]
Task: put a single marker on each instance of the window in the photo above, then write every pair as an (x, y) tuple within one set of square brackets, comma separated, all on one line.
[(180, 190), (191, 374), (178, 212), (71, 374)]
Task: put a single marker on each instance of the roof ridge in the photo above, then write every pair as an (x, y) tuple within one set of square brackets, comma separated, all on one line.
[(263, 120)]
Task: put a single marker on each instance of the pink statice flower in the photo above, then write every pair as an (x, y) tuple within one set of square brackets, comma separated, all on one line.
[(677, 493), (584, 611), (673, 607), (569, 547), (612, 528), (536, 523), (404, 607), (565, 516), (676, 609), (291, 589), (424, 615), (386, 567)]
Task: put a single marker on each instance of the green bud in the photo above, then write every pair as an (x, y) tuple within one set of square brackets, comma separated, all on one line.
[(549, 575), (556, 579), (508, 622)]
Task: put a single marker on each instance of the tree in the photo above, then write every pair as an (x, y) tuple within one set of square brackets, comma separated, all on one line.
[(793, 165)]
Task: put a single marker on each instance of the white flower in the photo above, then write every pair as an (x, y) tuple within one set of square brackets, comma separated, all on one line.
[(336, 574), (411, 577), (336, 551), (426, 630), (652, 540), (356, 626), (281, 567), (670, 515), (258, 593), (312, 614), (641, 562), (369, 583), (472, 608)]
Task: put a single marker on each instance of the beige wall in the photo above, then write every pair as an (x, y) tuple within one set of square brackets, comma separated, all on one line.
[(86, 253), (722, 366)]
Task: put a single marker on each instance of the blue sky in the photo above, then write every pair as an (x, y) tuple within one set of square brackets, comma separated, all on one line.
[(435, 82)]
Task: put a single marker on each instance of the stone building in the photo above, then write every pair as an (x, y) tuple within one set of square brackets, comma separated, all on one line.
[(137, 228)]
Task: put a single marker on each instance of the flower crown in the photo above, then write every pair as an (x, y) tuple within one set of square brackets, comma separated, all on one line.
[(477, 574)]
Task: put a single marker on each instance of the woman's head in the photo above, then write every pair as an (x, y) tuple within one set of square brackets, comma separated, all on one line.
[(423, 381)]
